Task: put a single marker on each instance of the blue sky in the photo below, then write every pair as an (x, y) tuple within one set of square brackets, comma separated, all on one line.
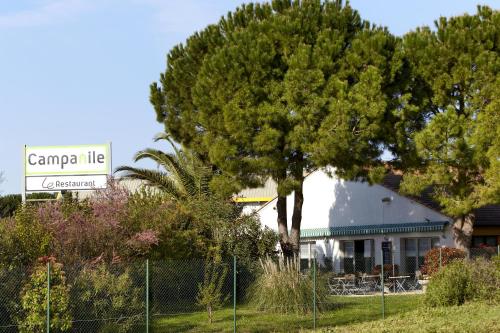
[(78, 71)]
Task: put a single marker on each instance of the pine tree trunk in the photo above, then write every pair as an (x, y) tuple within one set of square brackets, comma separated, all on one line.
[(283, 227), (297, 217), (462, 232)]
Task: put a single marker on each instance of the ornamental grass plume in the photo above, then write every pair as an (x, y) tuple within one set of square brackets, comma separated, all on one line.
[(283, 288)]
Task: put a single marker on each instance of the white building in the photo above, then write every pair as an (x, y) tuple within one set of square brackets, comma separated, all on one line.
[(346, 224)]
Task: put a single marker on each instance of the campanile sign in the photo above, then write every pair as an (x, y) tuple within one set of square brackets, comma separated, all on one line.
[(57, 168)]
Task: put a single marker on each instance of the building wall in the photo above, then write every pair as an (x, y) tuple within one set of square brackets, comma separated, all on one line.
[(333, 202)]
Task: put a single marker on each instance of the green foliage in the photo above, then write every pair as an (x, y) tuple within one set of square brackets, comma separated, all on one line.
[(34, 301), (179, 234), (432, 263), (23, 239), (485, 277), (12, 280), (462, 281), (118, 225), (456, 87), (183, 175), (277, 89), (104, 292), (282, 288), (246, 239), (210, 291), (11, 202), (450, 286), (496, 261)]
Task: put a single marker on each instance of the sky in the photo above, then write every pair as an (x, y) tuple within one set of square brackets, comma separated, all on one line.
[(78, 71)]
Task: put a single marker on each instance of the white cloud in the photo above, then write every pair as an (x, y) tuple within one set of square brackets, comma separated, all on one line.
[(49, 12)]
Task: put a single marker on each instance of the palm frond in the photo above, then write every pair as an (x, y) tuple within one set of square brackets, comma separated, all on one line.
[(183, 174), (177, 165), (166, 137), (152, 178)]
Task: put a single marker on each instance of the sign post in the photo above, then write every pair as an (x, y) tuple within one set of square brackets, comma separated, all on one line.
[(61, 168)]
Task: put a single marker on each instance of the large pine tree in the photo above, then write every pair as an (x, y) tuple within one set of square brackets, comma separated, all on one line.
[(456, 89), (275, 90)]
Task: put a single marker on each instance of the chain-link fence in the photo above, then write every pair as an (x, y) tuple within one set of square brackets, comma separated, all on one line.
[(207, 296)]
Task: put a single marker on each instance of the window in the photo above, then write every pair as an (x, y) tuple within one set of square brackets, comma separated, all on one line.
[(349, 249), (304, 251), (307, 253), (415, 250)]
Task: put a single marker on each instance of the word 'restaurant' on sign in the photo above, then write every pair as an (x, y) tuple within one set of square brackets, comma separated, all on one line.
[(56, 168)]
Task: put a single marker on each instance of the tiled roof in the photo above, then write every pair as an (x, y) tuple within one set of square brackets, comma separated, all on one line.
[(487, 216), (376, 229)]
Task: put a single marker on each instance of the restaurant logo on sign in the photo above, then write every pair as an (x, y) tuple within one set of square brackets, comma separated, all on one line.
[(56, 168)]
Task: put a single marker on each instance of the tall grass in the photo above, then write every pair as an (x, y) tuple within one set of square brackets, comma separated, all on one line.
[(282, 288)]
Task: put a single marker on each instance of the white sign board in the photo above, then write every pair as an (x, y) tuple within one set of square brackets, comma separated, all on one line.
[(56, 168)]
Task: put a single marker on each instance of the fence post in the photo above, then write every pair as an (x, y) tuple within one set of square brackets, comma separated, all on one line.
[(147, 295), (48, 297), (498, 250), (314, 293), (440, 258), (234, 294), (382, 283)]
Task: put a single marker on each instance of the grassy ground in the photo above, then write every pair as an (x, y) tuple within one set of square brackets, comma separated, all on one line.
[(468, 318), (341, 311)]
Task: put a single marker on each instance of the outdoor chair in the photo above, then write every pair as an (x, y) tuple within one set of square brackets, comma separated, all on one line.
[(368, 283), (335, 286), (350, 287)]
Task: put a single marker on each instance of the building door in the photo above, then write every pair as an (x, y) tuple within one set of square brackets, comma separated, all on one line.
[(358, 256)]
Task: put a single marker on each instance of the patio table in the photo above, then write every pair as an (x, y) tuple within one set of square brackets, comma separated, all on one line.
[(346, 285), (398, 282)]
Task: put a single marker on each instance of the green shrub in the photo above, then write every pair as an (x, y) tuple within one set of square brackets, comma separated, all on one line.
[(450, 286), (485, 278), (432, 262), (282, 288), (103, 292), (23, 239), (34, 301), (496, 262), (464, 280), (12, 280)]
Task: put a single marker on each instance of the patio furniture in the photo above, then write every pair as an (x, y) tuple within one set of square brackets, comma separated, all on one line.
[(350, 286), (369, 283), (336, 285), (398, 283), (345, 285)]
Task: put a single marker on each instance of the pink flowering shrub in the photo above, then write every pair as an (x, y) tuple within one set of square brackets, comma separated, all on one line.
[(96, 229), (142, 242), (115, 226)]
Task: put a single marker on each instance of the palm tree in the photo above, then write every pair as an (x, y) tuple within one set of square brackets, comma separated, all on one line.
[(181, 174)]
